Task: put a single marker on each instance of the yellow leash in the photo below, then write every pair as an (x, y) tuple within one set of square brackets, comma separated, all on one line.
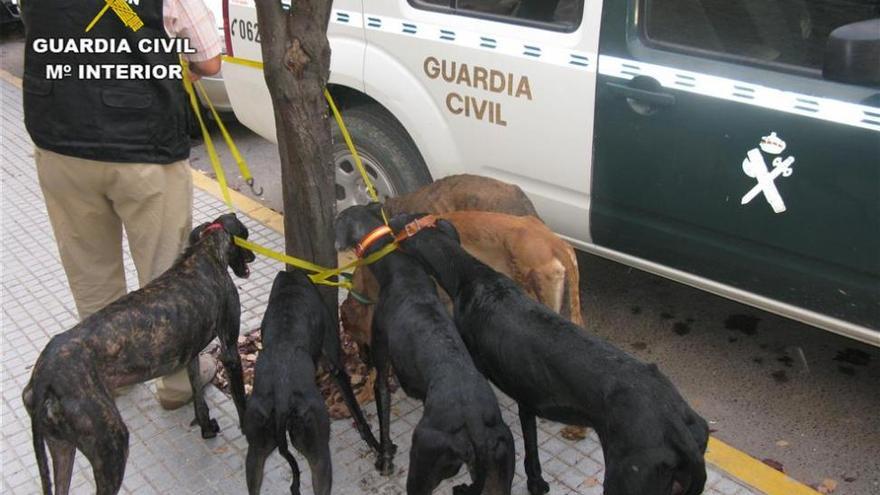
[(371, 190), (320, 275), (239, 160), (357, 158), (209, 143)]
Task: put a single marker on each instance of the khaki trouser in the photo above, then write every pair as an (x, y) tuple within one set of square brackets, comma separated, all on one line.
[(90, 202)]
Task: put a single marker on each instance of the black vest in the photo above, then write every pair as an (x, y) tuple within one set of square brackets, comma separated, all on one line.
[(107, 120)]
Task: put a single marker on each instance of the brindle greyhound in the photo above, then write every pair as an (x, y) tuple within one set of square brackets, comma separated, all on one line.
[(142, 335), (652, 440), (412, 331), (297, 328)]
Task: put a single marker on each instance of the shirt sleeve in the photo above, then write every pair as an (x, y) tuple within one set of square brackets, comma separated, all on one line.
[(192, 19)]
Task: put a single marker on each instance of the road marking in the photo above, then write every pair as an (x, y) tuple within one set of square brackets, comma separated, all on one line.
[(261, 213), (751, 471), (10, 78)]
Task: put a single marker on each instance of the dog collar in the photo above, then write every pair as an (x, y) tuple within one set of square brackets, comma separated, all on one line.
[(409, 230), (211, 228), (370, 238), (414, 227)]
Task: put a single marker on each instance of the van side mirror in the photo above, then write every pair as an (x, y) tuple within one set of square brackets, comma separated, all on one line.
[(852, 54)]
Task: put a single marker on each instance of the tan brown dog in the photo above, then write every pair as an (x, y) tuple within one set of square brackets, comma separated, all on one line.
[(523, 248), (464, 192)]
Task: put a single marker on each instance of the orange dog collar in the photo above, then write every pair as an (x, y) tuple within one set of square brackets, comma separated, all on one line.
[(413, 228), (370, 238)]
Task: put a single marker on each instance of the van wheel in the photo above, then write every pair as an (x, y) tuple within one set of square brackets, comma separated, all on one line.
[(390, 157)]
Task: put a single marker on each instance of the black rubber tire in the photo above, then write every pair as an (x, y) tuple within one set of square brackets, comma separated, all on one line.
[(377, 134)]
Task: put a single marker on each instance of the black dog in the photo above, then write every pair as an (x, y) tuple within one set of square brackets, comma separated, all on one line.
[(652, 440), (461, 423), (142, 335), (296, 328)]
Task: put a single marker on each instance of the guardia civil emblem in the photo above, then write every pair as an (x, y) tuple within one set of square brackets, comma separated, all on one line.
[(755, 166)]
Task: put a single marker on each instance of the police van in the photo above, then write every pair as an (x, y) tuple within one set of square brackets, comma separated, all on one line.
[(732, 145)]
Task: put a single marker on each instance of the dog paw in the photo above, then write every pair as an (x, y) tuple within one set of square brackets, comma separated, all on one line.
[(385, 465), (538, 487), (212, 429)]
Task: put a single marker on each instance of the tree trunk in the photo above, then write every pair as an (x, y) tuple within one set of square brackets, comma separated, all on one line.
[(296, 65)]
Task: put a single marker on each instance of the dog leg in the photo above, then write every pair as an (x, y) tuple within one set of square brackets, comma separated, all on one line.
[(62, 463), (536, 484), (314, 443), (209, 426), (257, 453), (382, 363), (228, 335), (332, 352), (432, 459), (104, 443)]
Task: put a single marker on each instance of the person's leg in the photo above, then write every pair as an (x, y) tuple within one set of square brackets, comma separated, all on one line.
[(155, 204), (87, 230)]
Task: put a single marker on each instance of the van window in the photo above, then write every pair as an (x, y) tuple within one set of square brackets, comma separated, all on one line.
[(788, 32), (562, 15)]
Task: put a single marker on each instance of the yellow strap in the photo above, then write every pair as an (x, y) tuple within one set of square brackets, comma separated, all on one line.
[(320, 275), (357, 158), (254, 64), (338, 116), (209, 143), (239, 160)]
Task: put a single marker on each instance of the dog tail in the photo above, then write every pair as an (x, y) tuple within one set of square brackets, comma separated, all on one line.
[(36, 403), (571, 294), (283, 418)]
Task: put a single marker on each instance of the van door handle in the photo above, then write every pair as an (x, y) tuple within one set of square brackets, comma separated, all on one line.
[(658, 98)]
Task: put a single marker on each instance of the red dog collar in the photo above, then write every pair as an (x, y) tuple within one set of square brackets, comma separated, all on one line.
[(211, 228)]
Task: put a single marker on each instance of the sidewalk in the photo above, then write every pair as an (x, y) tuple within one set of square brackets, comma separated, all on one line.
[(167, 456)]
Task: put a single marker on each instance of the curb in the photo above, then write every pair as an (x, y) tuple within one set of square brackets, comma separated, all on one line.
[(262, 214), (753, 472)]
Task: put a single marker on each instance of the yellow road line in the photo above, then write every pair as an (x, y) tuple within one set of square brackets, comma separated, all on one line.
[(242, 203), (753, 472), (10, 78)]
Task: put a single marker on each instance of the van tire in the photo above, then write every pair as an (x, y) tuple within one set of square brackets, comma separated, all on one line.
[(391, 158)]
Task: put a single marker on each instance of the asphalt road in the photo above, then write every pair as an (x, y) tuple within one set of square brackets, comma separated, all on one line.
[(803, 398)]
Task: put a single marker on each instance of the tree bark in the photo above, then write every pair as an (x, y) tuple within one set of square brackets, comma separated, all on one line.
[(296, 65)]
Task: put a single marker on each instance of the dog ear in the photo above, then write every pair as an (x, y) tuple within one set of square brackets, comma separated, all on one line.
[(447, 228)]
